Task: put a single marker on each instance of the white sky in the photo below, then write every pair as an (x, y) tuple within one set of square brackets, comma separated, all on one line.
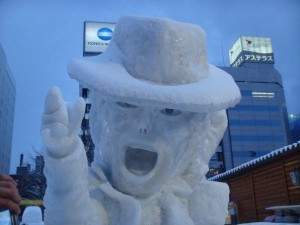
[(40, 37)]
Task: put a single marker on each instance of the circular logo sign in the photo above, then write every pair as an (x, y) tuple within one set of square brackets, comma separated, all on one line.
[(104, 33)]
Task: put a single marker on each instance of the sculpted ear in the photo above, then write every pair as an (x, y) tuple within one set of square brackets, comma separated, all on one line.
[(217, 127), (210, 129)]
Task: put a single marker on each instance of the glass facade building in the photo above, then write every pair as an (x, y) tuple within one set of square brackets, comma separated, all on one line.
[(7, 108), (259, 123)]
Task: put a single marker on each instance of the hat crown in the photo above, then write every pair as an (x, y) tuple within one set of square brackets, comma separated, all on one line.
[(162, 51), (159, 62)]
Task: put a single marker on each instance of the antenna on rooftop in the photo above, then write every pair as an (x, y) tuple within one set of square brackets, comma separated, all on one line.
[(21, 159), (222, 54)]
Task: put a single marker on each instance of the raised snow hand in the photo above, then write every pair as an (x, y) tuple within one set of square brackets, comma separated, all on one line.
[(60, 123)]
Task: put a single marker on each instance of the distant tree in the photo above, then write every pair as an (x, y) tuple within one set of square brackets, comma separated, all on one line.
[(33, 185)]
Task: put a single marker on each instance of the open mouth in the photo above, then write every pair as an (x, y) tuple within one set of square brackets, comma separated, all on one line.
[(140, 161)]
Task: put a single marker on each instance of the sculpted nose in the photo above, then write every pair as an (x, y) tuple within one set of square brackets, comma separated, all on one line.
[(145, 122), (143, 130)]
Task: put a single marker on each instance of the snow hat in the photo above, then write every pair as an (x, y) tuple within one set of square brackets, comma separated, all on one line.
[(32, 216), (160, 62)]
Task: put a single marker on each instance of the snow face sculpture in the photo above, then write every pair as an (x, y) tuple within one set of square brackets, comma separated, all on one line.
[(152, 143), (158, 114)]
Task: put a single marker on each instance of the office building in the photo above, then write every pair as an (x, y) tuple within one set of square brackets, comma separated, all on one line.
[(294, 120), (7, 109), (259, 123)]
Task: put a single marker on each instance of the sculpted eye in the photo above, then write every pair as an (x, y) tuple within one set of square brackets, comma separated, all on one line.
[(170, 112), (126, 105)]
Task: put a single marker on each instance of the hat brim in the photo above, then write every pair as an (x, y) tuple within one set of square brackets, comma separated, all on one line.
[(216, 92)]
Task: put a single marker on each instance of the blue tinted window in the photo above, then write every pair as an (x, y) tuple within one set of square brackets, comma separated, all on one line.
[(249, 153), (246, 93), (272, 123), (275, 138), (255, 108)]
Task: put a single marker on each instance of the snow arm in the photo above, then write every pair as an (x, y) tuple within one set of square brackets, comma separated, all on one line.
[(67, 198)]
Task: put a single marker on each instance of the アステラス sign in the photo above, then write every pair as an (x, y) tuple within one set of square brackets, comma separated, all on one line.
[(251, 49)]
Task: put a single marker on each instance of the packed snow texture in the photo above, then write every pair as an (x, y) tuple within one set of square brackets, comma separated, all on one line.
[(158, 62), (152, 150)]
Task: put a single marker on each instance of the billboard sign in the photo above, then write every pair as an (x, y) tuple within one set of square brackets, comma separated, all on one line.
[(97, 36), (235, 51), (251, 49)]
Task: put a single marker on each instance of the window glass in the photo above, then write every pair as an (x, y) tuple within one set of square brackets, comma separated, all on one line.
[(255, 108), (274, 138), (255, 123)]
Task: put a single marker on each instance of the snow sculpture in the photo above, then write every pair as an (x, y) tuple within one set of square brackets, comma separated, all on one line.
[(157, 117)]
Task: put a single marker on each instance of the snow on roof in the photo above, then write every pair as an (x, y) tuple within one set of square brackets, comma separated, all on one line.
[(257, 161)]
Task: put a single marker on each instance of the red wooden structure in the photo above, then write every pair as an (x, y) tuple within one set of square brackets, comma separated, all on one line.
[(263, 182)]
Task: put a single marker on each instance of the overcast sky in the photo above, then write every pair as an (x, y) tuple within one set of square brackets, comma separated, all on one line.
[(39, 37)]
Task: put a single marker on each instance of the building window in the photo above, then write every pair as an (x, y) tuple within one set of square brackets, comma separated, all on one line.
[(84, 92), (272, 123), (256, 108), (263, 94), (258, 138), (252, 154), (88, 108)]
